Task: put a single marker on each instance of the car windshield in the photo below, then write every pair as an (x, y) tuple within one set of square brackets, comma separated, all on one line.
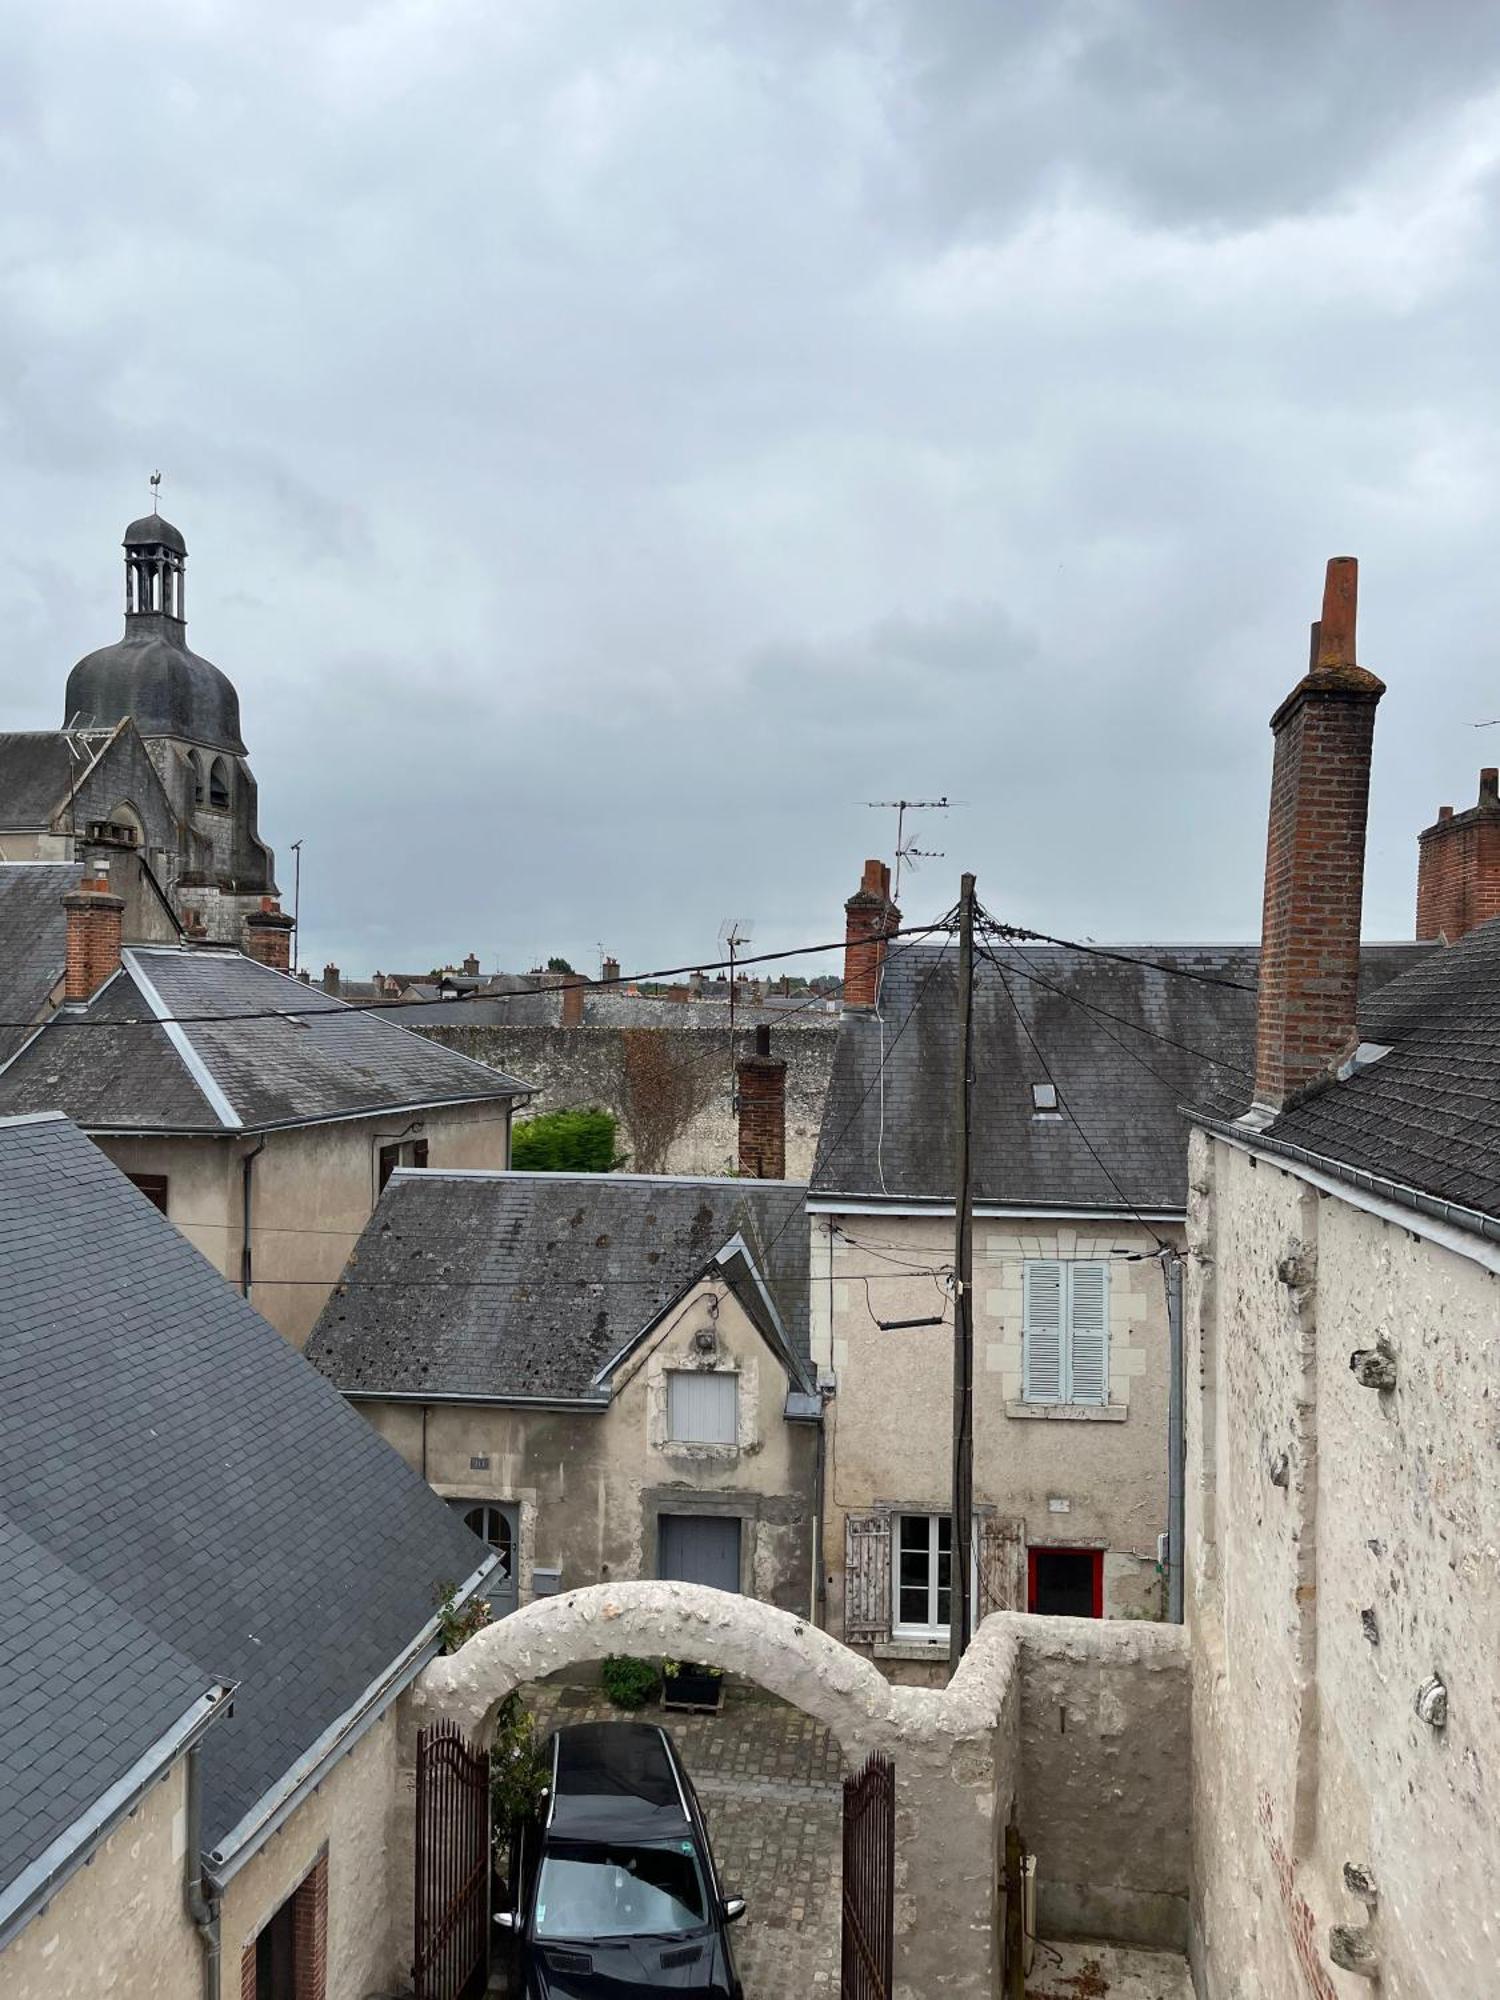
[(603, 1889)]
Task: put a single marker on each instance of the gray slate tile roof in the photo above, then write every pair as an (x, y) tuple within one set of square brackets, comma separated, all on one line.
[(33, 941), (1098, 1023), (1427, 1115), (164, 1444), (37, 770), (526, 1284), (303, 1055), (88, 1692)]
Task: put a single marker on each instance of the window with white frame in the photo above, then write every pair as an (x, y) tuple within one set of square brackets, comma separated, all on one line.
[(924, 1567), (1065, 1346), (702, 1406)]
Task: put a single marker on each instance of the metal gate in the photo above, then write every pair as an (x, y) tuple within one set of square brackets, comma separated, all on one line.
[(453, 1865), (869, 1882)]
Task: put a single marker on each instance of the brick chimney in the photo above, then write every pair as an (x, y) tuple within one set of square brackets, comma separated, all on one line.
[(609, 972), (870, 917), (760, 1087), (268, 935), (331, 980), (1458, 870), (573, 984), (95, 917), (1307, 1014)]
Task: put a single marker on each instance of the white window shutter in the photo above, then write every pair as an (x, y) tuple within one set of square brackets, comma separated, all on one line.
[(1088, 1334), (703, 1408), (1042, 1315)]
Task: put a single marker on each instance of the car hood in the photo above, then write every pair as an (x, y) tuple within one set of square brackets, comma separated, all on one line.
[(630, 1968)]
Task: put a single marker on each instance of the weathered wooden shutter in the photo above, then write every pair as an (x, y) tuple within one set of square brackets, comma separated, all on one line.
[(867, 1577), (1088, 1334), (1042, 1320), (1002, 1566)]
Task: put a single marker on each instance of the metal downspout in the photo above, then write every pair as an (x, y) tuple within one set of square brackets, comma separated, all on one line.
[(247, 1172), (203, 1902), (1172, 1271)]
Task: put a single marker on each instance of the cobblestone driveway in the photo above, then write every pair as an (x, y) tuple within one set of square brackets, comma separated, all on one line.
[(770, 1782)]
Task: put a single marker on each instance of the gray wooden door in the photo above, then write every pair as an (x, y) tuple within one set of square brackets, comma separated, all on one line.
[(700, 1548)]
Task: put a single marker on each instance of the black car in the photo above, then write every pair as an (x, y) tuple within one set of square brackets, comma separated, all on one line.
[(616, 1889)]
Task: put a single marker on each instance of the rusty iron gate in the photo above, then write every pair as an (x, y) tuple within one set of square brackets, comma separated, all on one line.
[(453, 1865), (869, 1882)]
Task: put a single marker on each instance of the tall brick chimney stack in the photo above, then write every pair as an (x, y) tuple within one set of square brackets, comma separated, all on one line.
[(268, 935), (1307, 1015), (471, 966), (1458, 870), (870, 917), (760, 1084), (609, 972), (95, 917), (573, 984), (331, 980)]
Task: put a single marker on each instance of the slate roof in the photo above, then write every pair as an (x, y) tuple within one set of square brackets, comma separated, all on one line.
[(126, 1688), (1425, 1116), (1098, 1023), (164, 1445), (515, 1284), (307, 1056), (33, 941), (38, 768)]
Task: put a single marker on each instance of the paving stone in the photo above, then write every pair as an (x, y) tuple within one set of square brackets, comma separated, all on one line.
[(1107, 1972), (770, 1780)]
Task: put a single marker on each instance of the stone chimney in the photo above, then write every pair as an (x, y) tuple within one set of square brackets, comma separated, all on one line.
[(573, 984), (609, 972), (760, 1088), (331, 980), (1458, 870), (1308, 1008), (95, 917), (870, 918), (268, 935), (471, 966)]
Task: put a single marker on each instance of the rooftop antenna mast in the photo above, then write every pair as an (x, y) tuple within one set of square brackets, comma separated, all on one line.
[(906, 851), (734, 933)]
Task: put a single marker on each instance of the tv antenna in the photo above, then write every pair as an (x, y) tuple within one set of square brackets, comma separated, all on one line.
[(909, 852), (734, 933)]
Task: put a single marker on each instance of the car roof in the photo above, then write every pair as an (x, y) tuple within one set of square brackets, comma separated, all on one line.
[(614, 1780)]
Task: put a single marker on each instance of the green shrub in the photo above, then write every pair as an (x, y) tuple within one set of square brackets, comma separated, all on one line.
[(629, 1683), (566, 1142)]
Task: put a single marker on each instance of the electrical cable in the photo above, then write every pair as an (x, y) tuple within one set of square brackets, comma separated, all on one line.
[(1011, 933)]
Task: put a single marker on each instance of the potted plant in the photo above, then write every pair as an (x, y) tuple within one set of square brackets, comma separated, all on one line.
[(686, 1685)]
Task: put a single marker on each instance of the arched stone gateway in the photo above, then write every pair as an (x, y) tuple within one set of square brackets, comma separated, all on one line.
[(953, 1748)]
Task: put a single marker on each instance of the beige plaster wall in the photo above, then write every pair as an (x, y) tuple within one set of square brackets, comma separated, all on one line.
[(1344, 1548), (202, 1190), (590, 1489), (119, 1925), (1074, 1477), (357, 1814)]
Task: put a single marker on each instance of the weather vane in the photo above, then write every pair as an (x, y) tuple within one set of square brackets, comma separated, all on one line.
[(155, 491)]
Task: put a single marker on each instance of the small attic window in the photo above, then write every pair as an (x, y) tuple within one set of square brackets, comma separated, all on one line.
[(1044, 1102)]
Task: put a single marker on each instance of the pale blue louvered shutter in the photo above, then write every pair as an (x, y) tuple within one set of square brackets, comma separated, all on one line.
[(1042, 1313), (1088, 1334)]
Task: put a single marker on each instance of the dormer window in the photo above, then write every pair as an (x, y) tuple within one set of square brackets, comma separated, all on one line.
[(1044, 1101)]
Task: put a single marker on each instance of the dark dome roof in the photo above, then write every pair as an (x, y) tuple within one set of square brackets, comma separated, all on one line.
[(152, 532), (151, 676)]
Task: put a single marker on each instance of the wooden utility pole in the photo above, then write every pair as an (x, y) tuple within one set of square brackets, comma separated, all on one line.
[(960, 1561)]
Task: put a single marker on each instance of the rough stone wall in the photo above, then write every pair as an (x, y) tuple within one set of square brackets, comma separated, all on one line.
[(961, 1755), (1105, 1778), (569, 1067), (590, 1490), (1344, 1551), (355, 1814), (119, 1925), (1080, 1476)]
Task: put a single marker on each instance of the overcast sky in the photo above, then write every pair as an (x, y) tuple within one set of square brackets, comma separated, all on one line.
[(616, 438)]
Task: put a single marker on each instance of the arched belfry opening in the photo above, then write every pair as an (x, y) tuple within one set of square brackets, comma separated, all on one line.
[(218, 784), (155, 566)]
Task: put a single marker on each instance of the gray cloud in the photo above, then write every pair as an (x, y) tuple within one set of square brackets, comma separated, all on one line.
[(615, 442)]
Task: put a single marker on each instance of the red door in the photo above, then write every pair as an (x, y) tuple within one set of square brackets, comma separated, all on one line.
[(1065, 1583)]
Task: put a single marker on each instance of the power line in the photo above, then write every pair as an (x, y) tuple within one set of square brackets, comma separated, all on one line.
[(1014, 933)]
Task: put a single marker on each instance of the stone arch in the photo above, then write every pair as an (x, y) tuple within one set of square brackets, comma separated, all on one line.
[(787, 1656), (218, 784)]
